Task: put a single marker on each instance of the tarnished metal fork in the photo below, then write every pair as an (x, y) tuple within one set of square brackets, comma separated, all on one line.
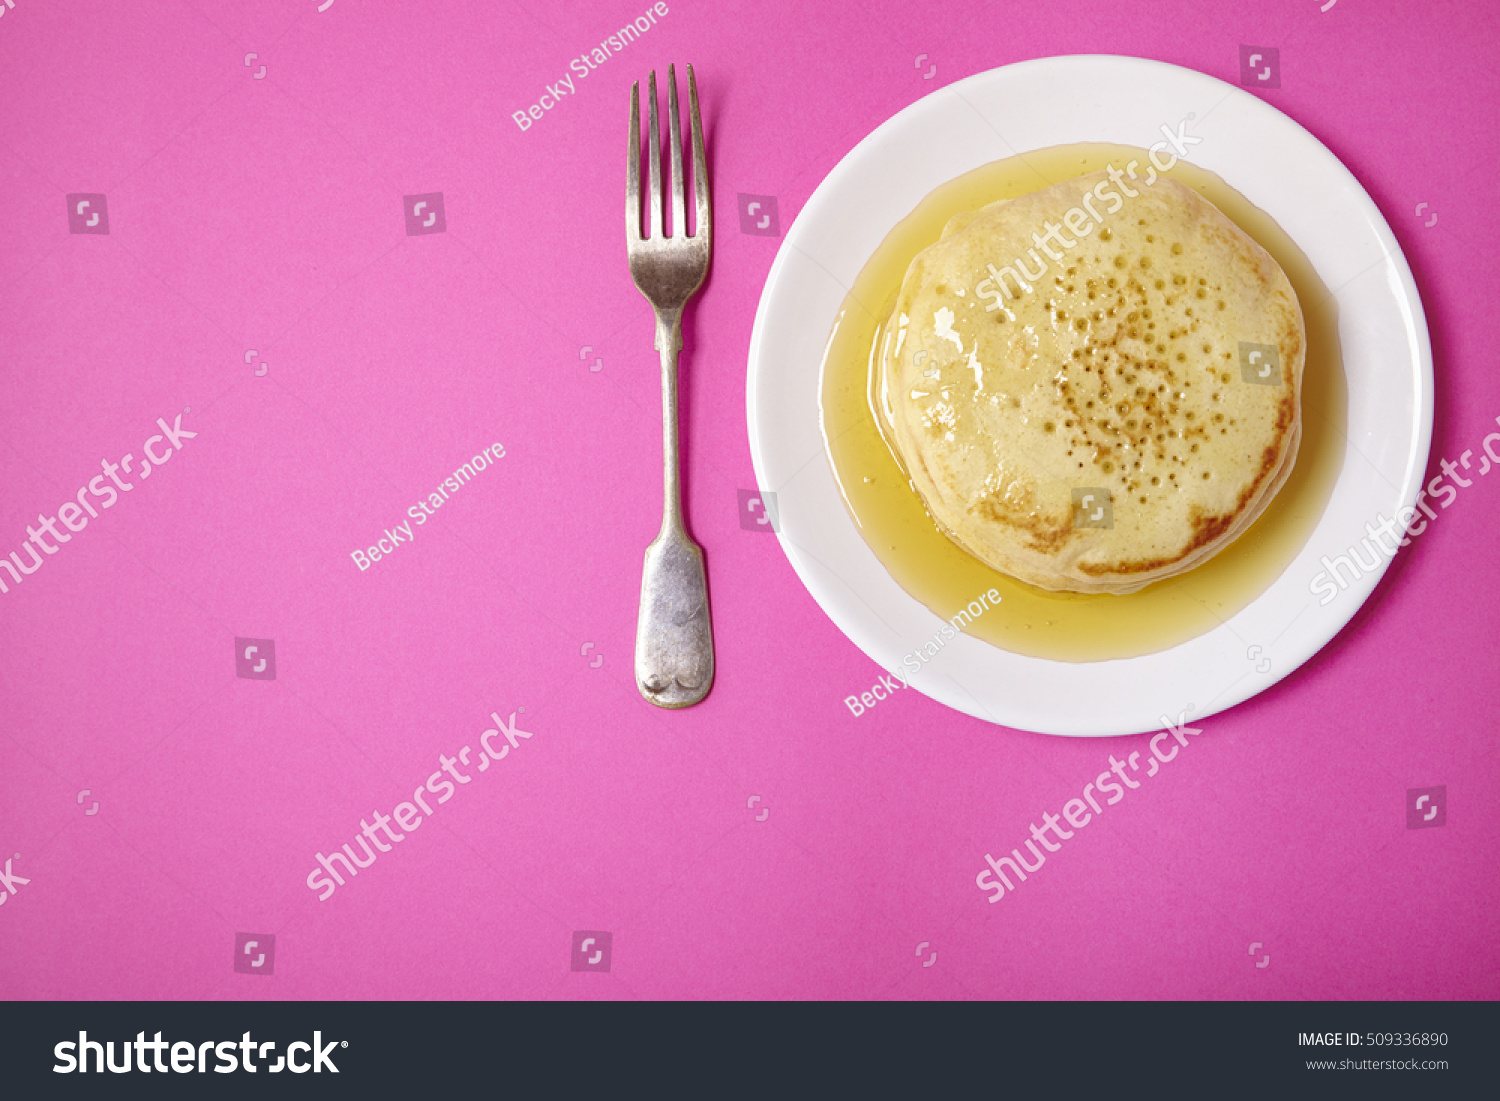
[(674, 644)]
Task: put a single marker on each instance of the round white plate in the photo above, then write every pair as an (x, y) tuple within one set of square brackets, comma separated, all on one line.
[(1257, 150)]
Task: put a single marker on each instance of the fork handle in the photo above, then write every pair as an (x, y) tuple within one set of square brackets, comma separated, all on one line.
[(669, 344), (674, 645)]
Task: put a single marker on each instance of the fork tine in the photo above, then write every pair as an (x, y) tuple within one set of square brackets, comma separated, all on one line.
[(700, 163), (679, 185), (653, 162), (633, 169)]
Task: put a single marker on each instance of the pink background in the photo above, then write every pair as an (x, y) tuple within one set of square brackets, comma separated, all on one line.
[(267, 214)]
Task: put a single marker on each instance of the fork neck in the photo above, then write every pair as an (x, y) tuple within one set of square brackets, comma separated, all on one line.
[(669, 344)]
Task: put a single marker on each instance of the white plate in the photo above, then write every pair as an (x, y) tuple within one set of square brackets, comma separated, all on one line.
[(1257, 150)]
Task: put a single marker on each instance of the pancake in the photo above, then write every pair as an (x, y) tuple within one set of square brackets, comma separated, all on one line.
[(1094, 386)]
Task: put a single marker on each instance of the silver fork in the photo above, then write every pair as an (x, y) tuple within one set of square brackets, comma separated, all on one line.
[(674, 644)]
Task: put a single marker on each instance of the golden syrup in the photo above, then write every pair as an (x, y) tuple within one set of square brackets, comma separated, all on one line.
[(1068, 626)]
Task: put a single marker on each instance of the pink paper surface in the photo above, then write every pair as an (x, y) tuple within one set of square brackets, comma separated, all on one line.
[(163, 797)]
